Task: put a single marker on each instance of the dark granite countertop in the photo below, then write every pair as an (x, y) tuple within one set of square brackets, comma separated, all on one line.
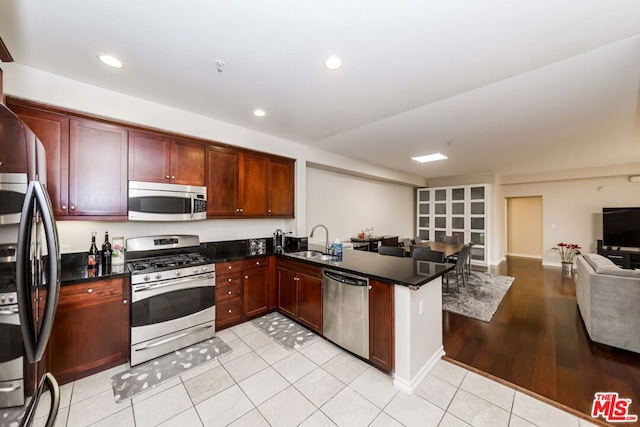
[(401, 271)]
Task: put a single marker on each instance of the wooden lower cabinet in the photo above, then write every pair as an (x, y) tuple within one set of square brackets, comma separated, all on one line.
[(300, 293), (242, 290), (381, 325), (90, 330)]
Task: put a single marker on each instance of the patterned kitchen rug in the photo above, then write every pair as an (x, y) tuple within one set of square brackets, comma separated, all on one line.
[(284, 331), (151, 374), (481, 297)]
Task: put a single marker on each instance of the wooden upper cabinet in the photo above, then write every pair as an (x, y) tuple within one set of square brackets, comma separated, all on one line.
[(149, 157), (252, 178), (187, 163), (53, 131), (97, 169), (221, 181), (280, 188), (157, 158)]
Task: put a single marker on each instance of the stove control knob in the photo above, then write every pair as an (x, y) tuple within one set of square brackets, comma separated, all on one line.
[(11, 298), (204, 268), (158, 276), (178, 273), (2, 298), (147, 278), (196, 271)]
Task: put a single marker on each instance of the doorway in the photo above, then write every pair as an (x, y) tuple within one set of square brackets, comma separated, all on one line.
[(524, 226)]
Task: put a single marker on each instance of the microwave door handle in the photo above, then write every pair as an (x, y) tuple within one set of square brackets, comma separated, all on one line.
[(192, 206), (52, 268)]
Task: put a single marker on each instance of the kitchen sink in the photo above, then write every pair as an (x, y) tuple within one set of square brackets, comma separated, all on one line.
[(313, 255)]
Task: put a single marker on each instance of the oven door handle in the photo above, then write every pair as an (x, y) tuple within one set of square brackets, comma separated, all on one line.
[(9, 311), (173, 338), (9, 389), (150, 287)]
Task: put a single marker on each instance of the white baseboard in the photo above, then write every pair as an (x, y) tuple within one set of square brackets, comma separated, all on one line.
[(409, 385)]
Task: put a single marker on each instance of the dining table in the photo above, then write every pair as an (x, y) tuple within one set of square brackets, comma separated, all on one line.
[(449, 249)]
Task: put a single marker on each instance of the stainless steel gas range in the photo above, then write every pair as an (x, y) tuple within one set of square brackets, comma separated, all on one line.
[(173, 295)]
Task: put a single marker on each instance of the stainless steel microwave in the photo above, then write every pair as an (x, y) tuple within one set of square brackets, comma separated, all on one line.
[(151, 201), (13, 188)]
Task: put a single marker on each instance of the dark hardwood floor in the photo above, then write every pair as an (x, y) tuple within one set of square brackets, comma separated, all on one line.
[(537, 340)]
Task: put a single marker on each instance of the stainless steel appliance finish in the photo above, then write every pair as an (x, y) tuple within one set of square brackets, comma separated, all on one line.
[(345, 305), (27, 302), (173, 295), (152, 201)]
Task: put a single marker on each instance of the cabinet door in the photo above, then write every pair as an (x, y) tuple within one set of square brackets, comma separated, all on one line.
[(280, 188), (13, 158), (310, 301), (423, 214), (53, 130), (221, 181), (252, 178), (288, 292), (97, 169), (256, 291), (88, 333), (478, 222), (149, 157), (187, 163), (381, 324)]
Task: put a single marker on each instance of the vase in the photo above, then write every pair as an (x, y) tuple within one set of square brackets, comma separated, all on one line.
[(567, 269)]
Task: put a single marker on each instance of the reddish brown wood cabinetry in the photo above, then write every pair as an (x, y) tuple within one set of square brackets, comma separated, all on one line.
[(242, 290), (86, 163), (158, 158), (252, 178), (222, 181), (90, 330), (300, 293), (280, 188), (381, 325)]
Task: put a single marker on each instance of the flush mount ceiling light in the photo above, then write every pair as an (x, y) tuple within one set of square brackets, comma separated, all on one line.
[(333, 63), (110, 61), (259, 113), (429, 158)]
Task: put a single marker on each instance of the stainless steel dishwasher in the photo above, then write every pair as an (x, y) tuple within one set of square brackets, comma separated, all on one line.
[(345, 305)]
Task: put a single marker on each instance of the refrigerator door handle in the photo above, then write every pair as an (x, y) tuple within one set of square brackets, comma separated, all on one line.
[(51, 383), (37, 203)]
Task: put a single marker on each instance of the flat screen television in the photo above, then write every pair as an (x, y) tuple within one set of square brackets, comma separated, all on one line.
[(621, 227)]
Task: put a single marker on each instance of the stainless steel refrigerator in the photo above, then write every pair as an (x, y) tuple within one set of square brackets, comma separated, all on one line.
[(29, 278)]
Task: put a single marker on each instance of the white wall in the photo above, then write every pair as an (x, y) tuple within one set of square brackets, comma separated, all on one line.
[(571, 209), (348, 204)]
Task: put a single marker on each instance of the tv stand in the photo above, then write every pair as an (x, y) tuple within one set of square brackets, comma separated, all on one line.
[(622, 258)]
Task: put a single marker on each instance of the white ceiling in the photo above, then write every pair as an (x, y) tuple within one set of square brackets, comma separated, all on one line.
[(518, 86)]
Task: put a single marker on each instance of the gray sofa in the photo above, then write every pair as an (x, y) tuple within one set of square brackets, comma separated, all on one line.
[(609, 302)]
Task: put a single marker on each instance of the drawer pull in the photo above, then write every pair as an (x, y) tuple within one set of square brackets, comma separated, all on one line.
[(230, 280), (229, 311), (229, 292), (257, 262), (230, 267), (89, 291), (125, 302), (246, 277)]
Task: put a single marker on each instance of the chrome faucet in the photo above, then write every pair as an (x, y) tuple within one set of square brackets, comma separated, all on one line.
[(327, 247)]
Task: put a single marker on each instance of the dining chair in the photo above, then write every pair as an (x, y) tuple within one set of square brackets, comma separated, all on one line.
[(406, 242), (417, 239), (450, 239), (426, 254), (392, 250), (459, 270)]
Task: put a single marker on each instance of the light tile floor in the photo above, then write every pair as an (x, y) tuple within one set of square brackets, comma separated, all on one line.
[(262, 384)]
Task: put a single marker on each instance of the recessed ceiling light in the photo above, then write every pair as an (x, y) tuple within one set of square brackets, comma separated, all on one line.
[(429, 158), (259, 113), (110, 61), (333, 63)]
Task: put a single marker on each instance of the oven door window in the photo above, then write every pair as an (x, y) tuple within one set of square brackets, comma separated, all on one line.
[(10, 340), (160, 205), (171, 305)]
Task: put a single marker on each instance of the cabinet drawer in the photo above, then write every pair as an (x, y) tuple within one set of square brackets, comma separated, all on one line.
[(228, 267), (229, 310), (224, 280), (90, 290), (227, 292), (256, 263)]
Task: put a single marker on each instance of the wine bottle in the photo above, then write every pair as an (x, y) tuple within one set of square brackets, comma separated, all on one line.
[(106, 251), (92, 258)]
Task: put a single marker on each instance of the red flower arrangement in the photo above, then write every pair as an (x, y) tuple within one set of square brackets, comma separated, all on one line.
[(568, 251)]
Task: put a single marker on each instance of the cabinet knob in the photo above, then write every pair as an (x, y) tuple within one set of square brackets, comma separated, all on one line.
[(173, 177), (167, 177), (229, 311), (237, 209), (89, 291), (241, 210), (64, 207), (230, 269), (229, 292), (229, 280), (125, 302), (72, 207), (269, 210), (246, 277), (257, 262)]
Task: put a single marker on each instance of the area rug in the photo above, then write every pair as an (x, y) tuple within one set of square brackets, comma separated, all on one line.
[(480, 298), (284, 331), (148, 375)]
